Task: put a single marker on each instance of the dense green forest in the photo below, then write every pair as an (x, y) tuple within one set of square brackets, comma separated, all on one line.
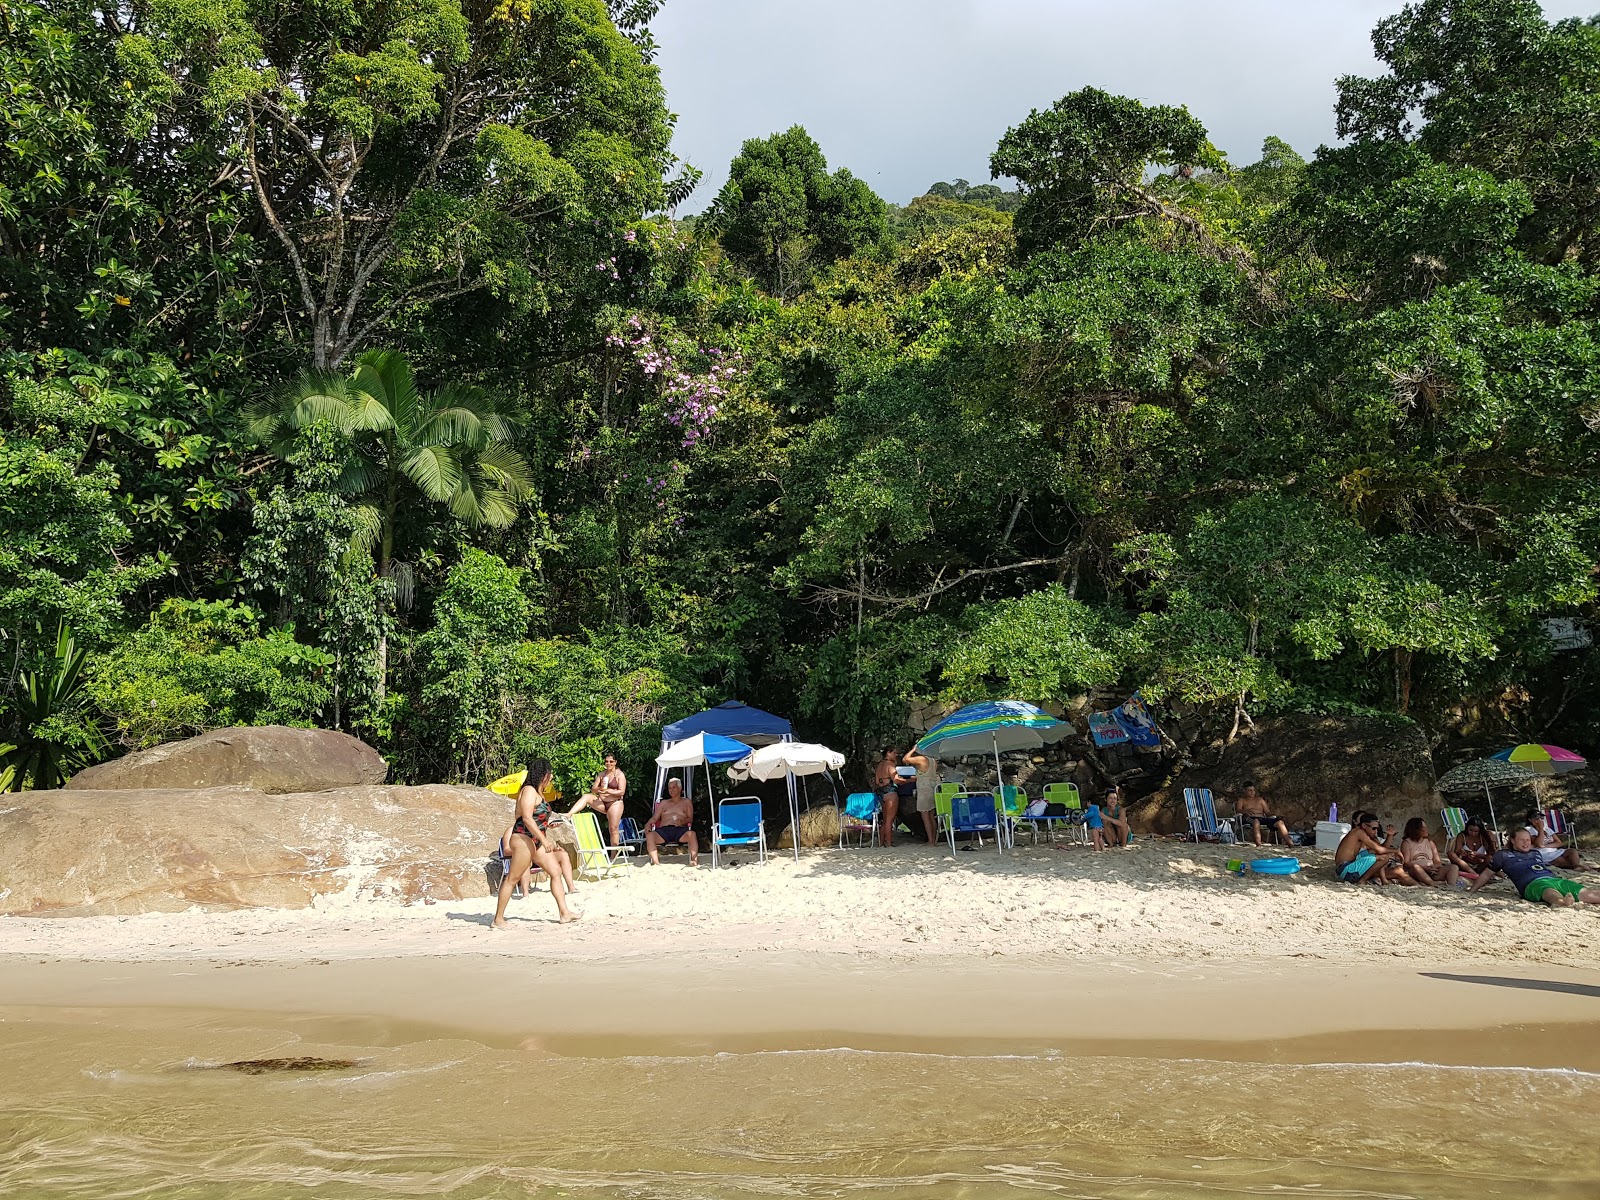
[(356, 371)]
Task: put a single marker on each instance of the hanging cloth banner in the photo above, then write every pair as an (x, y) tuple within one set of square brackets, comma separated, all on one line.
[(1134, 717), (1106, 730)]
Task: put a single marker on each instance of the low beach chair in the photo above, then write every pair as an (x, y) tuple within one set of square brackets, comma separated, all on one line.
[(628, 831), (1454, 821), (738, 823), (1202, 814), (942, 796), (1558, 823), (594, 856), (975, 813), (1068, 796), (859, 816), (499, 863), (1013, 803)]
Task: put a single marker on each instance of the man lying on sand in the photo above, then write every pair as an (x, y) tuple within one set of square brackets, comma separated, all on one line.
[(531, 842), (1523, 863), (1253, 807), (671, 825), (1362, 858)]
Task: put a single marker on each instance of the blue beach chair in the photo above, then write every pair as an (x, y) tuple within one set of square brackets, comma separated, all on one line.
[(859, 816), (975, 814), (1202, 815), (738, 823)]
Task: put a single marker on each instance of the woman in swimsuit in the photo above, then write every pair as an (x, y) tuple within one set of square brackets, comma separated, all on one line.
[(530, 842), (1472, 848), (1421, 858), (1114, 818)]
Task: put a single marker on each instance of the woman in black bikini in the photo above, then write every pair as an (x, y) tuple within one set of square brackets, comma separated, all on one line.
[(531, 843)]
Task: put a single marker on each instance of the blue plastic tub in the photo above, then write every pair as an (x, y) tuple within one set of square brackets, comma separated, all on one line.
[(1275, 866)]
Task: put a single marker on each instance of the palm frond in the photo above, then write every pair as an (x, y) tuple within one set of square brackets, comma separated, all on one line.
[(436, 470), (506, 468), (359, 474), (368, 529), (386, 376), (314, 396)]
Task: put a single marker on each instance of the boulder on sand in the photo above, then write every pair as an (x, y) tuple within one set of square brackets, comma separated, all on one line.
[(818, 827), (153, 850), (264, 758)]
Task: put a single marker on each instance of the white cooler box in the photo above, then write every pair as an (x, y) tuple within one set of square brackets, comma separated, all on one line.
[(1330, 833)]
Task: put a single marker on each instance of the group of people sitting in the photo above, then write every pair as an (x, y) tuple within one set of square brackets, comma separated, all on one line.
[(531, 841), (1474, 858)]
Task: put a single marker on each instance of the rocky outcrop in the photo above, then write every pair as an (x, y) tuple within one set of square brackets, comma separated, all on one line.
[(1303, 764), (818, 827), (162, 850), (266, 758)]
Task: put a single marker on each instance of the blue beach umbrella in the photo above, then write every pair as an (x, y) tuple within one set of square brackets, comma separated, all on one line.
[(993, 725)]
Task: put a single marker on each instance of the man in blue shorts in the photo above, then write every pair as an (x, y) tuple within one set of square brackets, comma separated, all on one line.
[(1533, 880)]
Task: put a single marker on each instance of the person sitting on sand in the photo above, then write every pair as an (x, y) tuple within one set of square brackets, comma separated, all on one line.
[(1114, 818), (1253, 807), (1526, 868), (606, 796), (1362, 858), (672, 825), (530, 842), (1422, 860), (1472, 848), (1549, 844)]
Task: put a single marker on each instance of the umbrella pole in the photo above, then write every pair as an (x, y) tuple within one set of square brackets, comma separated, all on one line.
[(711, 800), (999, 795), (794, 817), (1493, 820)]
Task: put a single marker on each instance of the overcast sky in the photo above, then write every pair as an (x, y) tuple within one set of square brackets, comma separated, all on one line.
[(907, 92)]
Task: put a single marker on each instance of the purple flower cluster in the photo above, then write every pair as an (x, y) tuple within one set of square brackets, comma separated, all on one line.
[(693, 398)]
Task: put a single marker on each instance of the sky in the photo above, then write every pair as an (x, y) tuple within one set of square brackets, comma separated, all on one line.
[(909, 92)]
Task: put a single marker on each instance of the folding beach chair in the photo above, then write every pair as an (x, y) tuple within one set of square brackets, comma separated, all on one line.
[(1069, 798), (499, 863), (859, 816), (1202, 814), (1454, 821), (942, 797), (1014, 808), (738, 823), (630, 835), (975, 814), (1558, 823), (594, 856)]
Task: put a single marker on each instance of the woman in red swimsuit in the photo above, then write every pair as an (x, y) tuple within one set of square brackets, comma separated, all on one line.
[(531, 843)]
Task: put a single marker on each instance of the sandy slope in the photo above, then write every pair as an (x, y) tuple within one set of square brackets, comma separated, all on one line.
[(1157, 901)]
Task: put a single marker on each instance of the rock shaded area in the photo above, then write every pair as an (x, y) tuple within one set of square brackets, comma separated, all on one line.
[(265, 758), (164, 850)]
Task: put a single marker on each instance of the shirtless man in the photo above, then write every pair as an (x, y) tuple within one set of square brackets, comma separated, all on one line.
[(671, 825), (1253, 807), (531, 842), (1362, 858), (606, 796)]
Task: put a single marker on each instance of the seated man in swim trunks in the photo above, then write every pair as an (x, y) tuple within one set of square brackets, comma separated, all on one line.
[(1253, 807), (1525, 866), (1362, 858), (671, 825)]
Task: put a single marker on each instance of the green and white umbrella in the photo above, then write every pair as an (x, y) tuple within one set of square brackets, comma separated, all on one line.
[(1486, 773)]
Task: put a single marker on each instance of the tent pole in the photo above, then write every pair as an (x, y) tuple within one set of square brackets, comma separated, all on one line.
[(794, 817)]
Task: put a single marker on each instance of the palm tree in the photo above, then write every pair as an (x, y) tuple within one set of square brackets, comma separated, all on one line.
[(452, 445)]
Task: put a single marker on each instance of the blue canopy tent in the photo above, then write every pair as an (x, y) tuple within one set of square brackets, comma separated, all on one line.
[(742, 723)]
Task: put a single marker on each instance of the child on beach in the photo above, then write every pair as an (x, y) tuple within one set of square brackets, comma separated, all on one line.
[(1421, 858)]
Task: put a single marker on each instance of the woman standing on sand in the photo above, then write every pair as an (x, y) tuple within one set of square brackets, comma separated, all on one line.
[(531, 843)]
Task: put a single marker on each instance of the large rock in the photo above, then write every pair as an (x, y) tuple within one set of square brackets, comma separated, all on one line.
[(265, 758), (1304, 764), (153, 850), (818, 827)]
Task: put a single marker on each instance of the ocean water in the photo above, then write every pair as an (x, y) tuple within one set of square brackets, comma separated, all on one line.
[(139, 1103)]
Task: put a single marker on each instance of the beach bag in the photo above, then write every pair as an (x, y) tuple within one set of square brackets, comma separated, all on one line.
[(1036, 809), (860, 806), (1055, 809)]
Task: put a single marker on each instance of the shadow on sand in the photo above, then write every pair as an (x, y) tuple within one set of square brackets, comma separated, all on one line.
[(1527, 985)]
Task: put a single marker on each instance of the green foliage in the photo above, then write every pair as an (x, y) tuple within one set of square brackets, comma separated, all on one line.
[(199, 665), (781, 215), (47, 735)]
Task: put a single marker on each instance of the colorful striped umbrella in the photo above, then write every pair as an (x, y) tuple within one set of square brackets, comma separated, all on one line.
[(993, 725), (1543, 759)]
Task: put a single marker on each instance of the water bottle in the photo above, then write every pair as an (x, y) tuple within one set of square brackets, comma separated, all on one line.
[(1333, 813)]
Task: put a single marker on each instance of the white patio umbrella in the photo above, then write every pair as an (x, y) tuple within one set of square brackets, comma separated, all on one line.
[(786, 758), (703, 749)]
